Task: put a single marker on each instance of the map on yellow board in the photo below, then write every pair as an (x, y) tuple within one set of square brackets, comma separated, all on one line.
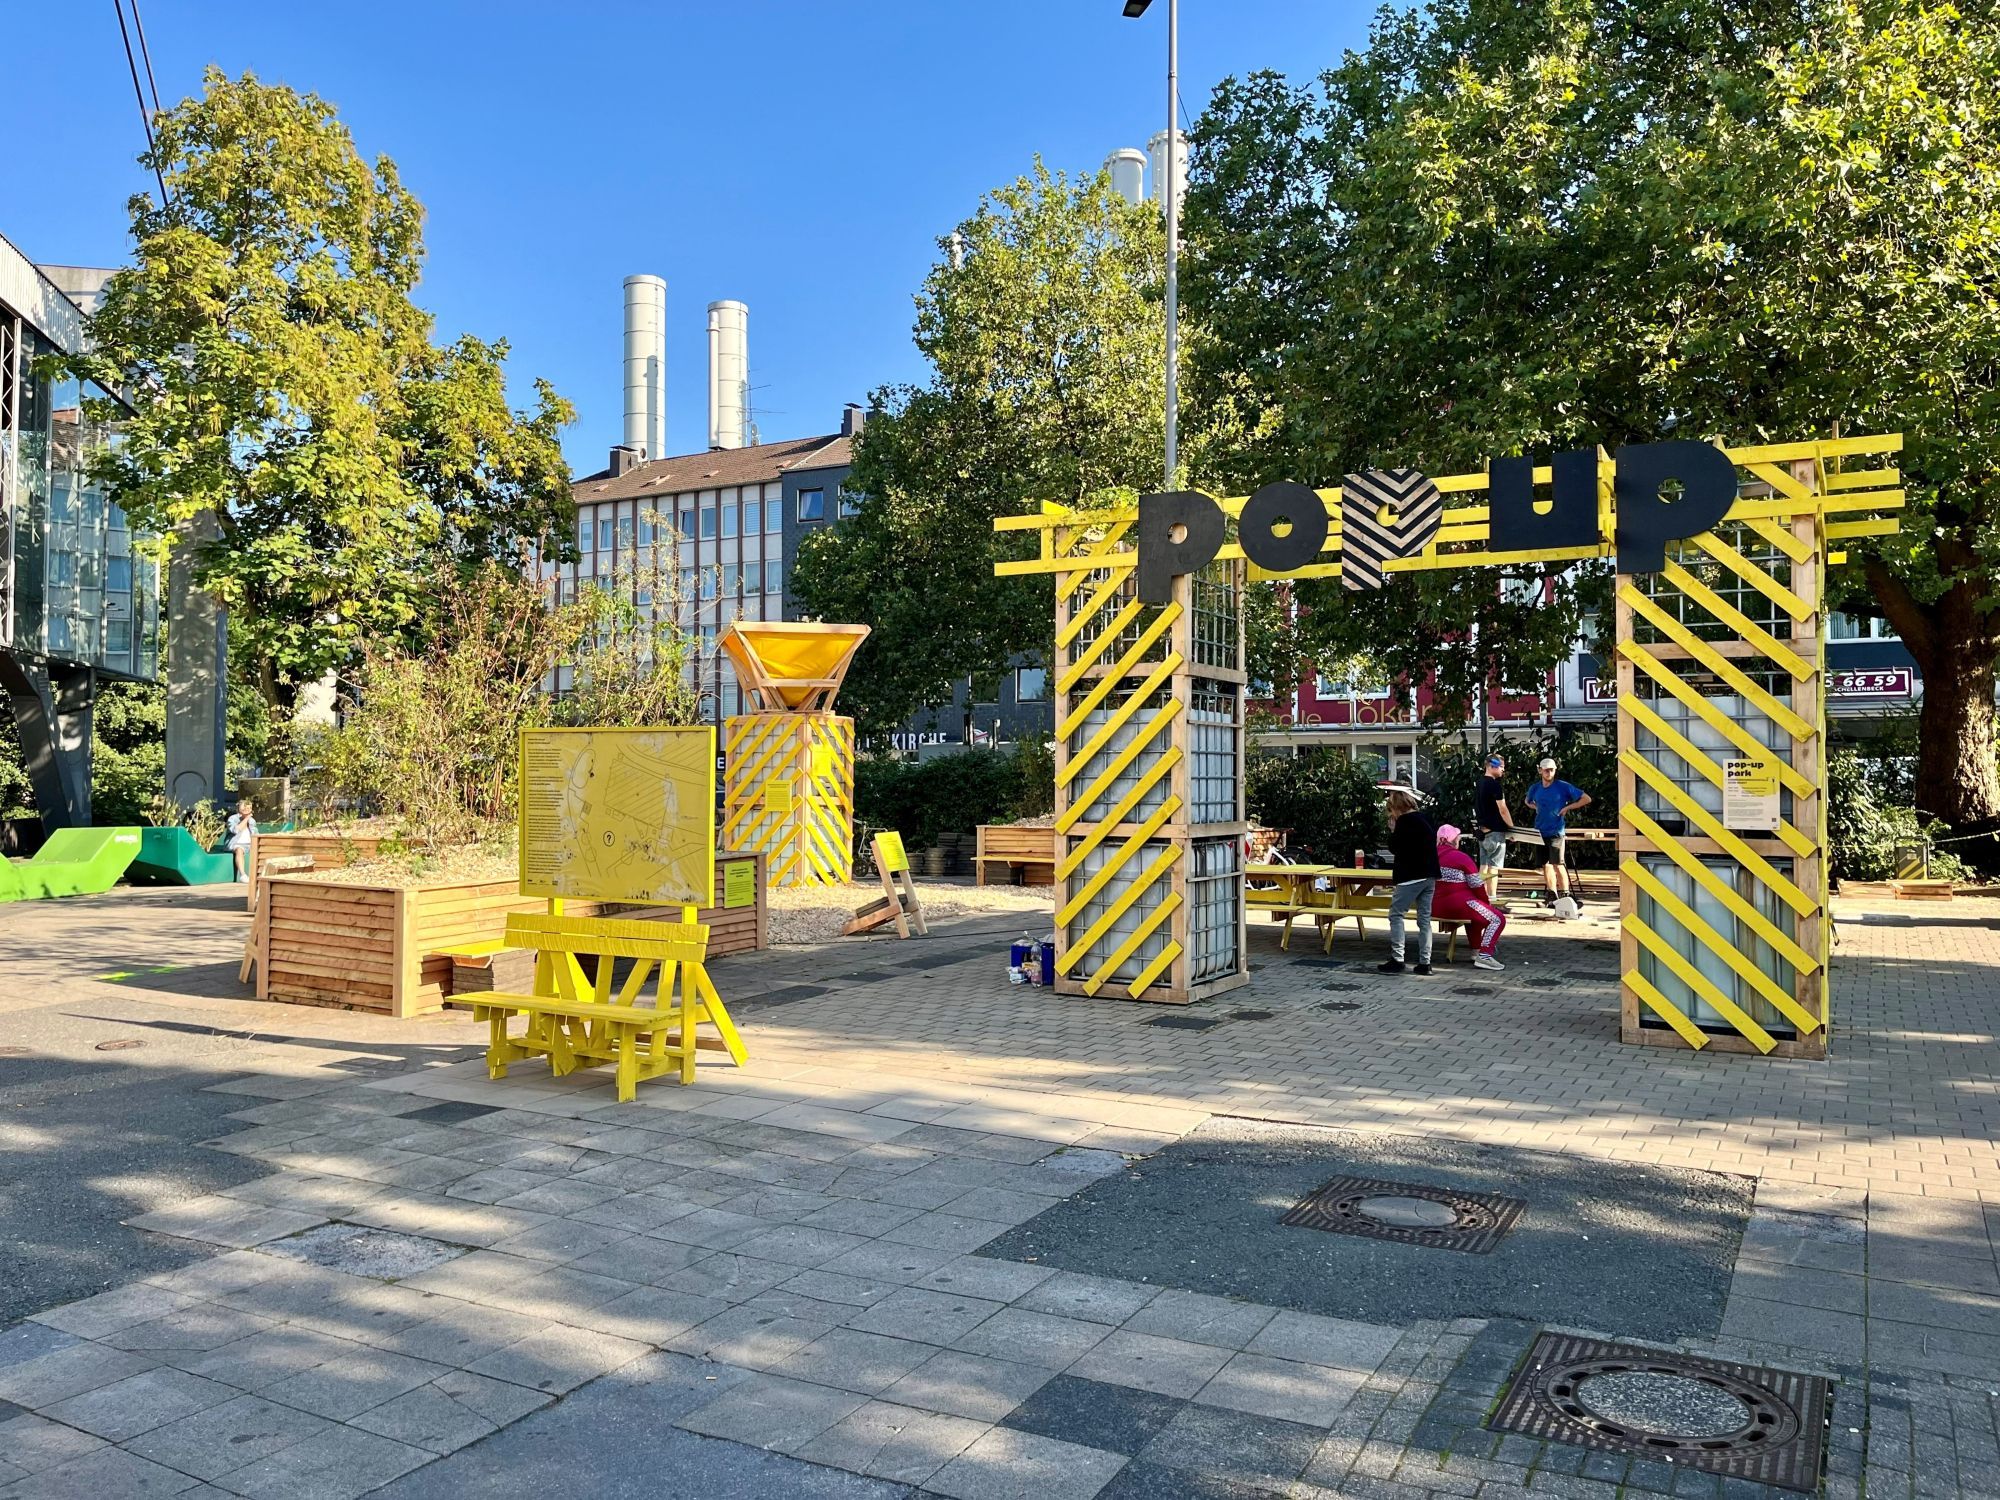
[(619, 814)]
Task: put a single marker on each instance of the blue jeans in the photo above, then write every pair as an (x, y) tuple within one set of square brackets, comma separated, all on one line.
[(1407, 895)]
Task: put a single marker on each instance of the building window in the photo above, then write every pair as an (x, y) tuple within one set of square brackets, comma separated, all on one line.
[(1031, 684), (774, 515), (707, 522), (732, 580), (729, 517), (812, 505), (604, 534), (707, 585), (118, 574), (1841, 627), (848, 503), (645, 528), (586, 531), (687, 521), (625, 532), (774, 576)]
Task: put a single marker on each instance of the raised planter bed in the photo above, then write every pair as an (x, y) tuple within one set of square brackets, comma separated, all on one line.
[(1017, 855), (387, 947)]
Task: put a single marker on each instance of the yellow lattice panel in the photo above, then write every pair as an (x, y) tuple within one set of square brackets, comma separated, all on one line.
[(788, 794)]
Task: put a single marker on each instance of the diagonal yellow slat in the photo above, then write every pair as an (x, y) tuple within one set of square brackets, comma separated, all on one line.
[(1154, 970), (1779, 536), (1075, 764), (1088, 891), (1705, 653), (1728, 952), (1737, 621), (1753, 575), (1087, 798), (1711, 825), (1094, 652), (1719, 888), (1079, 618), (1126, 803), (1074, 951), (1672, 738), (1113, 538), (1700, 983), (1781, 480), (1714, 717), (1085, 706), (744, 777), (1666, 1010), (1131, 944)]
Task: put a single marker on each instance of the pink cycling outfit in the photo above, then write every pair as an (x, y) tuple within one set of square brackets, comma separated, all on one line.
[(1461, 898)]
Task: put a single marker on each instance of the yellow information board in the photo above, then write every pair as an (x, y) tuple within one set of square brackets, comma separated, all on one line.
[(893, 856), (619, 814), (739, 884), (778, 797)]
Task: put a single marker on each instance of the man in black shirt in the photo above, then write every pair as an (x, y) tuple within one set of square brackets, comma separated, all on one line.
[(1493, 820)]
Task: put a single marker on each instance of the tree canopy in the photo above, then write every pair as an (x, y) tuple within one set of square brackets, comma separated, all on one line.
[(1503, 229), (284, 380), (1048, 373)]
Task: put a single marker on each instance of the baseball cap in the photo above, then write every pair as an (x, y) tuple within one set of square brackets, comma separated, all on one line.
[(1448, 834), (1546, 764), (1494, 760)]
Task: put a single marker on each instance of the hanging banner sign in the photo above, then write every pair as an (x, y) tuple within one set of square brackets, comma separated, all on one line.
[(1750, 796)]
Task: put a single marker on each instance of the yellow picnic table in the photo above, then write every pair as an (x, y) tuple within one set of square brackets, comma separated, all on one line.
[(1292, 891)]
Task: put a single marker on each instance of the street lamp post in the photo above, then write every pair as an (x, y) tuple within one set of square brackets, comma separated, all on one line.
[(1171, 201)]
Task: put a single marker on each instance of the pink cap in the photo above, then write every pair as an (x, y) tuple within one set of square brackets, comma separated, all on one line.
[(1447, 834)]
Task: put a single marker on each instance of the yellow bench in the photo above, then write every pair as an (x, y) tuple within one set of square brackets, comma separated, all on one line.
[(576, 1020)]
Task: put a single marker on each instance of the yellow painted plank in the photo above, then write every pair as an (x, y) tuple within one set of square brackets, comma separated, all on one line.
[(1153, 970), (1714, 717), (1719, 888), (1083, 616), (1088, 892), (1781, 479), (1737, 621), (1131, 944), (1165, 860), (1728, 952), (1841, 531), (1028, 567), (1864, 479), (1666, 1010), (1088, 750), (1120, 670), (1120, 623), (1704, 652), (1753, 575), (1087, 798), (1119, 813), (1711, 825), (1780, 537), (1700, 983), (1672, 738)]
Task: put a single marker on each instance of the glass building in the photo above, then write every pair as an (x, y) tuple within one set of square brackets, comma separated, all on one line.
[(79, 589)]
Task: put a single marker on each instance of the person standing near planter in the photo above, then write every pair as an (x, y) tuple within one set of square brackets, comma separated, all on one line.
[(242, 829), (1415, 869), (1494, 822), (1553, 799)]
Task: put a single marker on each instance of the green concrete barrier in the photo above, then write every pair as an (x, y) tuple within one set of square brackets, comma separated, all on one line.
[(170, 856), (78, 862)]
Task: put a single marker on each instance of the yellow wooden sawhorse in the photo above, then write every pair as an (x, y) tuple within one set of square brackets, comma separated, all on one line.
[(575, 1018)]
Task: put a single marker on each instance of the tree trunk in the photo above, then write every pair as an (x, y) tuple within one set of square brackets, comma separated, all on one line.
[(1957, 779)]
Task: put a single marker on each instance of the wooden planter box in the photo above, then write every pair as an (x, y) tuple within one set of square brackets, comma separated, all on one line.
[(386, 948), (1030, 850)]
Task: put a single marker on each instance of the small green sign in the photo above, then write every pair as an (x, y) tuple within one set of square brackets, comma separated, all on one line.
[(739, 883)]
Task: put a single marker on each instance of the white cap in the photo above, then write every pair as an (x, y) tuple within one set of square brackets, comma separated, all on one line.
[(1546, 765)]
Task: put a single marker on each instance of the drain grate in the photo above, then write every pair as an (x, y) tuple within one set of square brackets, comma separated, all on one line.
[(1339, 1004), (1739, 1421), (1251, 1015), (1407, 1213), (1472, 989), (1184, 1023), (451, 1112)]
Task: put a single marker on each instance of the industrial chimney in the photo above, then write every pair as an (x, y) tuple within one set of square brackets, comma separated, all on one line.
[(1128, 173), (728, 374), (1156, 158), (646, 365)]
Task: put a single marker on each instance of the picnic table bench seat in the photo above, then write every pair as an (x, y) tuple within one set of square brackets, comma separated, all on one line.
[(585, 1018)]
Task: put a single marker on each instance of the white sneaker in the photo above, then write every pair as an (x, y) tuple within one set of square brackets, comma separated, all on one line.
[(1487, 961)]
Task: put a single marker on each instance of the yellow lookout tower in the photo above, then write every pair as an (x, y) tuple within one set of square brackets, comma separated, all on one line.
[(788, 780)]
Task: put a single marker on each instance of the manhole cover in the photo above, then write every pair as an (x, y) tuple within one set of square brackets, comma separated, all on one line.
[(1338, 1004), (1186, 1023), (381, 1253), (1408, 1213), (1251, 1015), (120, 1044), (1740, 1421)]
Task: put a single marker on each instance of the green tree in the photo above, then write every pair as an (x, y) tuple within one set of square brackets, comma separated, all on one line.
[(286, 383), (1048, 371), (1502, 229)]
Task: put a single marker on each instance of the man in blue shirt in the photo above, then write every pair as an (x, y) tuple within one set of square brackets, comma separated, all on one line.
[(1553, 800)]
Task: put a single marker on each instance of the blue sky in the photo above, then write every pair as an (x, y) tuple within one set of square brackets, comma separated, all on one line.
[(802, 156)]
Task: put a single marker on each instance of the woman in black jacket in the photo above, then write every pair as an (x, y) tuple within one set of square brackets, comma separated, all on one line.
[(1413, 843)]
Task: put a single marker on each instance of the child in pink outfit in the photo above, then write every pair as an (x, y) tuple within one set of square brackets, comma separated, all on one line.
[(1461, 897)]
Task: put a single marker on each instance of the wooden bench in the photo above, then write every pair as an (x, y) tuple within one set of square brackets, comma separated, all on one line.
[(577, 1020), (1032, 851)]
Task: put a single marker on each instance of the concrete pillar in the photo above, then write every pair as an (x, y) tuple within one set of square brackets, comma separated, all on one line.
[(197, 661)]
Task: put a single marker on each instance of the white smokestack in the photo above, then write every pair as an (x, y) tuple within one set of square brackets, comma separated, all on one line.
[(1156, 159), (728, 374), (1128, 173), (646, 365)]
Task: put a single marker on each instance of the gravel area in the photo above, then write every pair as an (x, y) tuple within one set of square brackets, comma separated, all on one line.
[(799, 918)]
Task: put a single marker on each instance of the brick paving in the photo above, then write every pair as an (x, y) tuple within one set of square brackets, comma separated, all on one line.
[(780, 1259)]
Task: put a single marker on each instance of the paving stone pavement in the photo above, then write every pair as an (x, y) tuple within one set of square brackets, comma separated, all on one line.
[(771, 1275)]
